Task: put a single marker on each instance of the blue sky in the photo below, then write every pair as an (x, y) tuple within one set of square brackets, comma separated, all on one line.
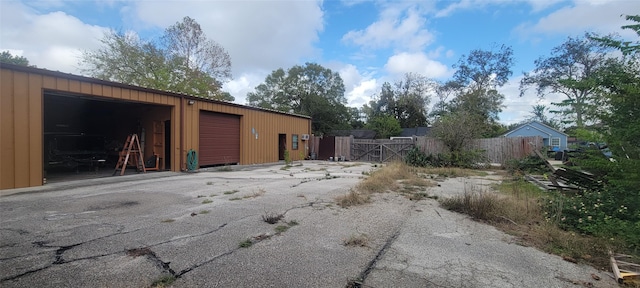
[(367, 42)]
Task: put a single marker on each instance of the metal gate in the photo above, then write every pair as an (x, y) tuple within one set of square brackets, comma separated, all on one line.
[(380, 150)]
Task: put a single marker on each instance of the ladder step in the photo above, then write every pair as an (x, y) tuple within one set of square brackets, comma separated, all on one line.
[(131, 155)]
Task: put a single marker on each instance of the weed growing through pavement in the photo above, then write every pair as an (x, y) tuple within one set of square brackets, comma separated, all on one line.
[(164, 281), (352, 198), (360, 240), (246, 243), (255, 194), (225, 169), (272, 218), (281, 228), (207, 201)]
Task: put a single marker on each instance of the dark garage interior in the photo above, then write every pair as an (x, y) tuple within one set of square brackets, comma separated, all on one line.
[(83, 136)]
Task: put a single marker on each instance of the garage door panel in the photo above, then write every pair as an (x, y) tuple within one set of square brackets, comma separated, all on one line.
[(219, 138)]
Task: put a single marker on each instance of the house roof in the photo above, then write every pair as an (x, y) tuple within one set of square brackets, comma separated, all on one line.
[(416, 131), (356, 133), (528, 124), (46, 72)]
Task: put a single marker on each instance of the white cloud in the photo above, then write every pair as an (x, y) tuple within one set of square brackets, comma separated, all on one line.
[(418, 63), (454, 6), (264, 35), (243, 84), (359, 87), (594, 15), (399, 27), (518, 108), (53, 40)]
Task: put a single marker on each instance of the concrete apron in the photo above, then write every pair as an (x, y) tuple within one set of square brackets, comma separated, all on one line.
[(189, 228)]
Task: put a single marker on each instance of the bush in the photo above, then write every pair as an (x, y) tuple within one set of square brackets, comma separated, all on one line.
[(463, 159), (529, 164), (612, 211)]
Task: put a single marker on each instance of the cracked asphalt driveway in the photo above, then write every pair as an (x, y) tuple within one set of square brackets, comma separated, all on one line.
[(188, 228)]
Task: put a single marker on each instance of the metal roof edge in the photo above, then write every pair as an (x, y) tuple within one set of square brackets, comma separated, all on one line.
[(47, 72)]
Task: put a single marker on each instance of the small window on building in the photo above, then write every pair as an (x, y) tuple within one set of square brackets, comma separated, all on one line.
[(555, 142), (294, 142)]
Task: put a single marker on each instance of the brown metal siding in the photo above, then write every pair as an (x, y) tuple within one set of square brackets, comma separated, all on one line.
[(21, 121), (219, 139), (267, 126)]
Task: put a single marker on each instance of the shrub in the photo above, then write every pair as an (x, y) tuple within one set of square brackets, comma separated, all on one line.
[(463, 159), (529, 164), (612, 211)]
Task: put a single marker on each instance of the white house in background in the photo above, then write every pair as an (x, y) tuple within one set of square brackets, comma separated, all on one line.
[(552, 138)]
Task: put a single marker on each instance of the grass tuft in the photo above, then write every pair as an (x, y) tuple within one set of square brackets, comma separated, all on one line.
[(352, 198), (246, 243), (230, 192), (360, 240), (272, 218), (281, 228), (207, 201), (164, 281)]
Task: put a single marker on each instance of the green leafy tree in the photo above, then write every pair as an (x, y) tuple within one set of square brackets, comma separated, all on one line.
[(457, 130), (310, 90), (612, 210), (570, 71), (406, 100), (185, 61), (385, 126), (475, 95), (7, 57), (355, 118)]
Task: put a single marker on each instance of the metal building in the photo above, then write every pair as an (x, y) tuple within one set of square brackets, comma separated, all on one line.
[(55, 121)]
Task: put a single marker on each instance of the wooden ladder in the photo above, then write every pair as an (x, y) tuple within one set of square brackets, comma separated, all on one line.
[(131, 155)]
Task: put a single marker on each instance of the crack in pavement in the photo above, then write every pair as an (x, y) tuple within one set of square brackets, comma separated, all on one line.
[(59, 254), (164, 266)]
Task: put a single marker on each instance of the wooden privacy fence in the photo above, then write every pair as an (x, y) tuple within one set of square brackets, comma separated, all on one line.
[(381, 150), (501, 150), (497, 150)]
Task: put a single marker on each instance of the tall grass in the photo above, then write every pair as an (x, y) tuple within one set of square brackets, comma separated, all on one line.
[(385, 179), (517, 210)]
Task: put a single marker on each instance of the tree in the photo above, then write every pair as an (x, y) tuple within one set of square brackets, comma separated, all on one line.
[(626, 47), (619, 79), (385, 126), (310, 90), (185, 61), (7, 57), (539, 113), (570, 70), (406, 100), (355, 118), (457, 130), (474, 87), (484, 69)]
